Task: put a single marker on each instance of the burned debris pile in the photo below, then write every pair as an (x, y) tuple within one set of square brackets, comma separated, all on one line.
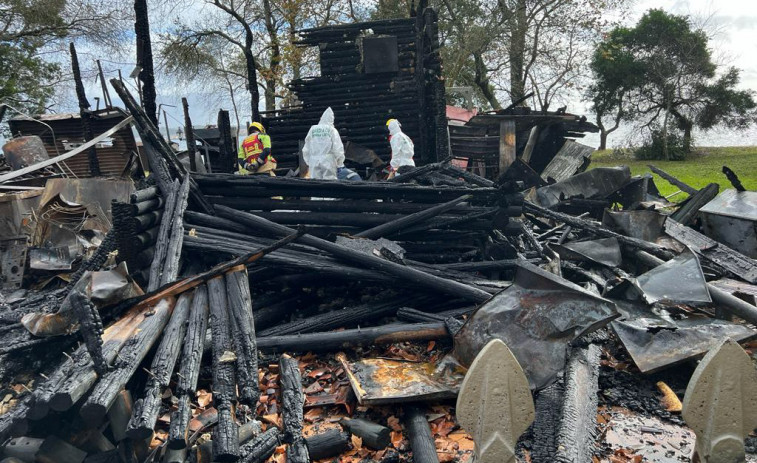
[(192, 316)]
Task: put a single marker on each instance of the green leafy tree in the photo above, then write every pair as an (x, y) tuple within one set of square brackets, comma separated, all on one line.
[(661, 74), (32, 31)]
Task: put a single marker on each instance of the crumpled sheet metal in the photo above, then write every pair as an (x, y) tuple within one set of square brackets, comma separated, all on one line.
[(58, 258), (654, 348), (678, 280), (103, 288), (537, 317), (594, 184), (642, 224), (384, 381), (605, 251)]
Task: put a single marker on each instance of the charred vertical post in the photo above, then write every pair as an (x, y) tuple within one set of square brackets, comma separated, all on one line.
[(86, 115), (91, 329), (189, 371), (106, 94), (226, 433), (144, 60), (293, 401), (190, 136), (506, 145), (240, 309), (226, 145)]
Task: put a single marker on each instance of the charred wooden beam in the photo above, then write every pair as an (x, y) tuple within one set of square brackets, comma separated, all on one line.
[(262, 186), (110, 385), (292, 406), (189, 370), (190, 136), (170, 268), (374, 435), (733, 178), (226, 146), (408, 274), (327, 444), (119, 415), (598, 230), (364, 206), (144, 60), (243, 329), (335, 340), (77, 376), (262, 447), (186, 284), (163, 242), (91, 329), (688, 212), (672, 180), (412, 219), (147, 408), (343, 317), (225, 434), (421, 440), (167, 164)]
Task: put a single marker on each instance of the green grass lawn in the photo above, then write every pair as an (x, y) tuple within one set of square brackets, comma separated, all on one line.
[(702, 168)]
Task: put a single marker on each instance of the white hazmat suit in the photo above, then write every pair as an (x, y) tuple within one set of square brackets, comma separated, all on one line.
[(323, 151), (402, 146)]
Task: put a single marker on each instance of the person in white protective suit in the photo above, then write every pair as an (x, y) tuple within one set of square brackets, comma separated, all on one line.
[(402, 148), (323, 151)]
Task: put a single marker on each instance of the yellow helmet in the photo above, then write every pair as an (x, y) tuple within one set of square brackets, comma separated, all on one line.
[(256, 125), (390, 121)]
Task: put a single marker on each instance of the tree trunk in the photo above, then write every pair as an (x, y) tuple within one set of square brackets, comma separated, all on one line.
[(252, 78), (482, 81), (517, 51), (270, 90), (602, 139), (687, 136), (144, 59)]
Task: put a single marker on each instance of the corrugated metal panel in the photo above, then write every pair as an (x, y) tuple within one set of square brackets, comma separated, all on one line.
[(66, 134)]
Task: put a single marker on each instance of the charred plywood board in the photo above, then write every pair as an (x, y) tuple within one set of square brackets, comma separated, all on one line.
[(573, 157), (383, 381)]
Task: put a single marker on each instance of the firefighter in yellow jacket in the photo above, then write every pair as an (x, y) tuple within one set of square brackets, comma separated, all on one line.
[(254, 154)]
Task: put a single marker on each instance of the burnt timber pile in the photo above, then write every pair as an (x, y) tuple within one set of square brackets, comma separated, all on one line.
[(370, 72), (254, 318)]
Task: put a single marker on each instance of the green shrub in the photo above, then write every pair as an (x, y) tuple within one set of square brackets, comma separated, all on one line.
[(652, 149)]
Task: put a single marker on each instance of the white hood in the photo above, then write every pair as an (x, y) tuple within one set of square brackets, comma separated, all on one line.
[(394, 127), (327, 118)]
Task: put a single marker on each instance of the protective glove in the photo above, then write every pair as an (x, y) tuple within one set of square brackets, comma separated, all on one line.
[(251, 166)]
